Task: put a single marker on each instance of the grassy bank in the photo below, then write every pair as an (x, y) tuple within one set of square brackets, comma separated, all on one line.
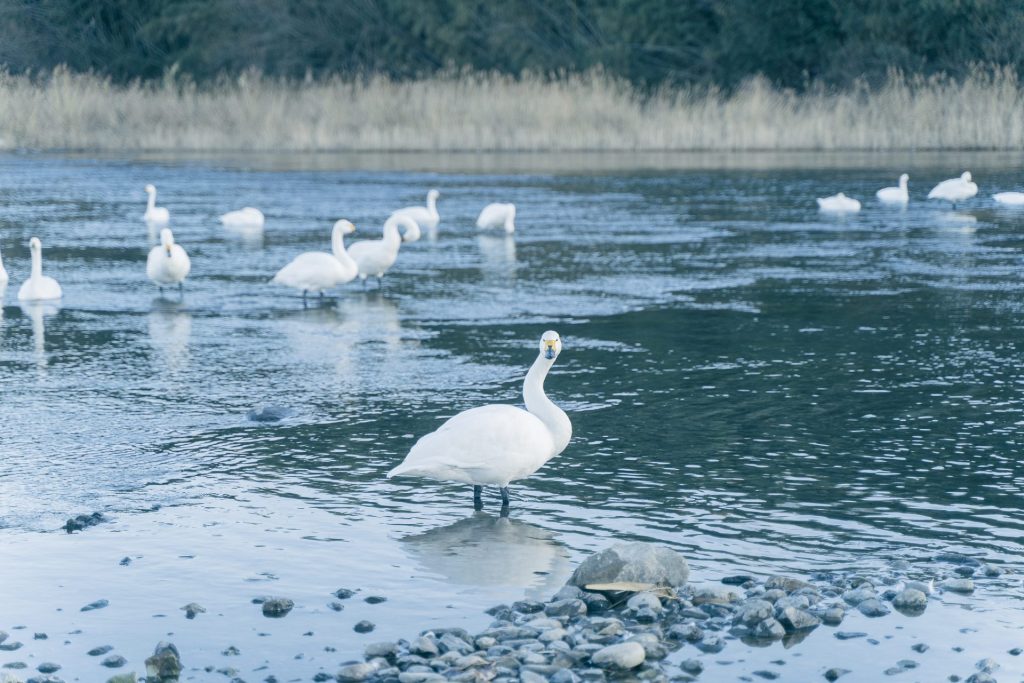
[(470, 112)]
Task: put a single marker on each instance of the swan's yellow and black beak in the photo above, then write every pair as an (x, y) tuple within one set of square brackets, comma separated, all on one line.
[(550, 348), (168, 250)]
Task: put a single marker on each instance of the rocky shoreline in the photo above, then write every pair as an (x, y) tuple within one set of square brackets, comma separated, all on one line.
[(628, 613)]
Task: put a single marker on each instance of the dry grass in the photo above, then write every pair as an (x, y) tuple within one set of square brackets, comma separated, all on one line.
[(472, 112)]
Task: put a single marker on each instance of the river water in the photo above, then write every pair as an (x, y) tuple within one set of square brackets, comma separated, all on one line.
[(762, 387)]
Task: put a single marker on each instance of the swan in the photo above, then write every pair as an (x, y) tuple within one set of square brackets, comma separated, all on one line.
[(1009, 198), (315, 271), (955, 189), (167, 264), (895, 195), (375, 257), (155, 215), (3, 273), (496, 444), (247, 217), (838, 203), (38, 287), (425, 216), (498, 216)]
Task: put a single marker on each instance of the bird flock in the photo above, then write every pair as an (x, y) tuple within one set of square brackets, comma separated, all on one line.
[(168, 264), (954, 191)]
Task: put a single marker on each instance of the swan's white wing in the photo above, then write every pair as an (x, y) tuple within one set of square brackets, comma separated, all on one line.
[(945, 189), (420, 214), (493, 215), (313, 271), (492, 444), (371, 256)]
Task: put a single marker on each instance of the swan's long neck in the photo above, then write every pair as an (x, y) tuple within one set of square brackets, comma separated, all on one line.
[(538, 403), (151, 203), (510, 218), (37, 264), (392, 240), (432, 204), (903, 184), (338, 249)]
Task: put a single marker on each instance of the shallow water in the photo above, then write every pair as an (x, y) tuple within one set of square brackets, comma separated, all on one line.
[(765, 388)]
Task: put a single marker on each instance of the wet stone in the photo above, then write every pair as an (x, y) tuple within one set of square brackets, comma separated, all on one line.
[(343, 593), (901, 666), (919, 647), (164, 665), (386, 649), (711, 645), (48, 668), (621, 656), (689, 632), (101, 650), (835, 674), (848, 635), (39, 636), (364, 626), (9, 646), (114, 661), (833, 616), (988, 665), (692, 666), (528, 606), (767, 675), (910, 599), (567, 608), (275, 608), (192, 609), (375, 599), (793, 619), (873, 607), (958, 585), (356, 672), (98, 604), (768, 629), (737, 580), (785, 583)]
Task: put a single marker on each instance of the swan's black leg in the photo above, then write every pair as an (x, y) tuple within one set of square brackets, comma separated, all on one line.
[(181, 288), (504, 496), (478, 503)]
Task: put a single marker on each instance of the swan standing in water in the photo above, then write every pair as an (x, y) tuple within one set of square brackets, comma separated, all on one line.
[(316, 271), (425, 216), (497, 216), (167, 264), (838, 203), (243, 218), (496, 444), (155, 215), (955, 189), (38, 287), (895, 195), (375, 257), (1009, 198)]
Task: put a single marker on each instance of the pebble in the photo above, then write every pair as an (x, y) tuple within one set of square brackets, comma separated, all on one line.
[(9, 645), (375, 599), (848, 635), (621, 656), (98, 604), (711, 645), (920, 647), (833, 616), (364, 626), (114, 661), (101, 650), (873, 607), (343, 593), (164, 665), (901, 666), (275, 608), (958, 585), (48, 668), (910, 599), (988, 665), (192, 609), (356, 672), (793, 619), (835, 674)]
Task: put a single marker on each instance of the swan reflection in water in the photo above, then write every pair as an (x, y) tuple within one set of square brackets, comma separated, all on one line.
[(170, 327), (250, 236), (484, 550), (36, 311), (498, 256)]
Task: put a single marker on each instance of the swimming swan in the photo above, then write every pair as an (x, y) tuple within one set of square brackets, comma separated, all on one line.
[(38, 287), (155, 215), (425, 216), (838, 203), (247, 218), (167, 264), (496, 444), (895, 195), (498, 216), (375, 257), (315, 271), (955, 189), (1009, 198)]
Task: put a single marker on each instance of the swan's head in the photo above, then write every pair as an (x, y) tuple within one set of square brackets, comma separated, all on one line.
[(433, 195), (966, 177), (167, 240), (150, 189), (34, 245), (345, 226), (550, 345), (904, 178)]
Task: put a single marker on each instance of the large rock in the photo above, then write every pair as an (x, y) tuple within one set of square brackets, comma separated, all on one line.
[(165, 664), (634, 563), (621, 656), (910, 599)]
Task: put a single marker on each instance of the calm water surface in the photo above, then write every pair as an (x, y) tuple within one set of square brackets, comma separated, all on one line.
[(762, 387)]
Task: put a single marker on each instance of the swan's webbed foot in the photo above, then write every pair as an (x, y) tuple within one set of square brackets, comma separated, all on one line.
[(504, 497), (478, 502)]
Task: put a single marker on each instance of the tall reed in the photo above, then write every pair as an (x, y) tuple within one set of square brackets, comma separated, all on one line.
[(473, 111)]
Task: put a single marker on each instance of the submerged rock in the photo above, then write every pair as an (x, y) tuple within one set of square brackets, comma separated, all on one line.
[(164, 665), (364, 626), (114, 662), (958, 585), (835, 674), (83, 521), (270, 413), (101, 650), (98, 604), (192, 609), (633, 563), (873, 607), (910, 600), (275, 608)]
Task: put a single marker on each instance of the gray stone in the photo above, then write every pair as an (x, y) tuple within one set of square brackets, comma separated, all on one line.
[(901, 666), (753, 611), (688, 631), (48, 668), (564, 676), (981, 677), (420, 677), (773, 594), (114, 662), (797, 601), (711, 645), (910, 599), (164, 666), (873, 607), (958, 585), (714, 596), (124, 678), (644, 600), (364, 626), (833, 616), (343, 593), (919, 647), (988, 665), (633, 562), (785, 583), (192, 609), (101, 650), (692, 666), (793, 619), (849, 635), (835, 673), (566, 608), (425, 647), (621, 656), (275, 608), (858, 595), (451, 643), (769, 628), (386, 649), (527, 676), (10, 646), (356, 672), (98, 604), (991, 571), (653, 649)]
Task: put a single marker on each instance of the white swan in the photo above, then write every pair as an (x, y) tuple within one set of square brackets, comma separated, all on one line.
[(496, 444), (167, 264), (3, 273), (38, 287), (375, 257), (838, 203), (425, 216), (316, 271), (498, 216), (243, 218), (895, 195), (955, 189), (155, 215), (1009, 198)]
